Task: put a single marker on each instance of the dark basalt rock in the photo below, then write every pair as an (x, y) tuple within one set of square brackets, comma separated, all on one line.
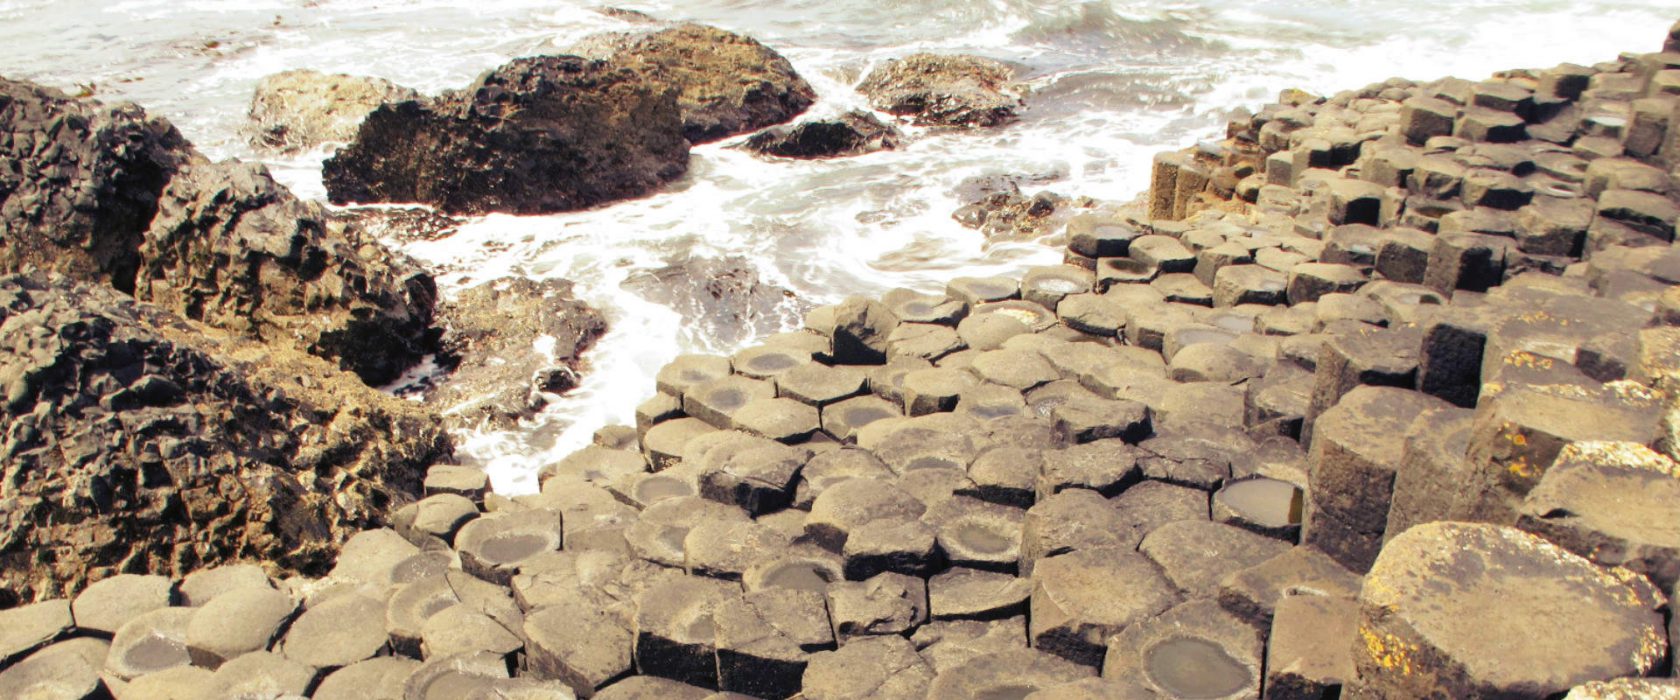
[(543, 134), (232, 248), (108, 195), (140, 442), (850, 134), (726, 83), (82, 183)]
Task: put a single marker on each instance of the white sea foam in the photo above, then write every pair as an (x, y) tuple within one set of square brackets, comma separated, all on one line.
[(1116, 81)]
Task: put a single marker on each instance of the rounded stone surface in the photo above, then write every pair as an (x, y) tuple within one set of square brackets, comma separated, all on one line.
[(690, 370), (935, 390), (820, 385), (764, 361), (379, 678), (460, 629), (1195, 650), (236, 623), (202, 586), (181, 683), (29, 626), (68, 670), (492, 547), (110, 603), (1005, 675), (1463, 609), (978, 290), (339, 632), (263, 674)]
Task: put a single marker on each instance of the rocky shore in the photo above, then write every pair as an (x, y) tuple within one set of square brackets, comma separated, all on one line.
[(1376, 397)]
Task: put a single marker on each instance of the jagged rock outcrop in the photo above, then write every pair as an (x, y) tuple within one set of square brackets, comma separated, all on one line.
[(300, 109), (544, 134), (233, 249), (849, 134), (81, 182), (517, 341), (936, 90), (726, 83), (136, 441), (107, 195)]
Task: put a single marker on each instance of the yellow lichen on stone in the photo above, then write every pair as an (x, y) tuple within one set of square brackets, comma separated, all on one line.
[(1529, 360), (1628, 455), (1624, 689), (1653, 647), (1629, 390), (1388, 651)]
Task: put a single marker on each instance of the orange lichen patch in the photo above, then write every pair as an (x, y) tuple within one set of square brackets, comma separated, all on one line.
[(1388, 651)]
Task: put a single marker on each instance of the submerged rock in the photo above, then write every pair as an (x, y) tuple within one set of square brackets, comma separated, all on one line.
[(936, 90), (850, 134), (726, 296), (299, 109), (139, 442), (543, 134), (995, 205), (726, 83), (515, 342)]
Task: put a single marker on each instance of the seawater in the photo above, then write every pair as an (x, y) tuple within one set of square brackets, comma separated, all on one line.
[(1113, 82)]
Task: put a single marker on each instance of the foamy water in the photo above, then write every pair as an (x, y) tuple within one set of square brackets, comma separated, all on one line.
[(1114, 82)]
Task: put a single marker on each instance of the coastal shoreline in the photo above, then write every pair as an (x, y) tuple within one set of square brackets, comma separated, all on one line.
[(1302, 418)]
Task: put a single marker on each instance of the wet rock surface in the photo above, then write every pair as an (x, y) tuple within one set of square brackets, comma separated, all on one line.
[(850, 134), (944, 90), (513, 342)]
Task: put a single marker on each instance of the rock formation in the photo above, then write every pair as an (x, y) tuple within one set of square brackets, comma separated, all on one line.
[(535, 135), (726, 83), (231, 248), (939, 90), (852, 133), (1376, 397), (300, 109), (513, 342), (139, 442), (83, 183), (110, 196)]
